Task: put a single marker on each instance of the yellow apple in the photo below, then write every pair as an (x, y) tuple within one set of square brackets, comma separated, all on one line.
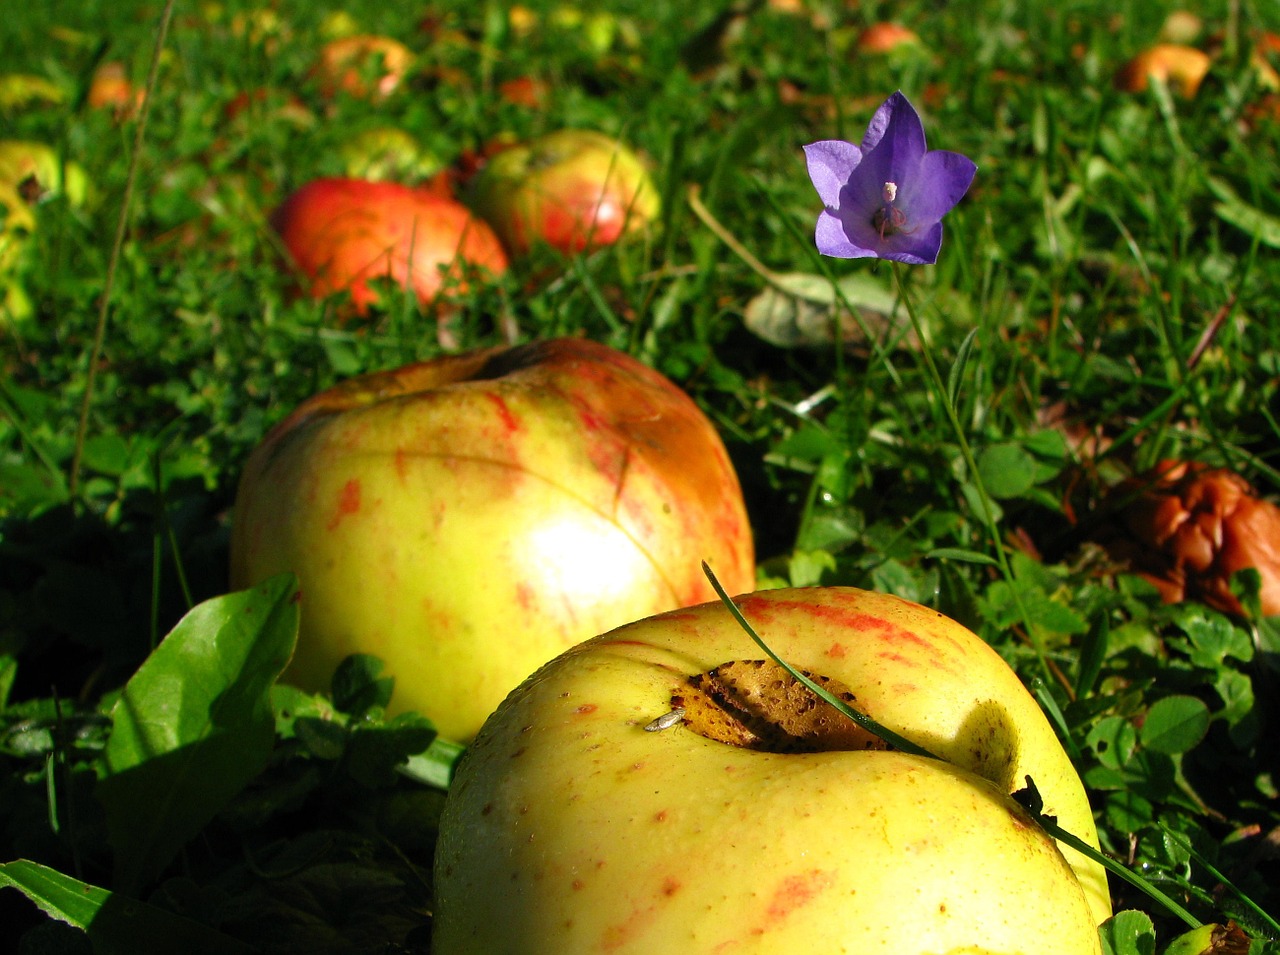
[(764, 821), (467, 519)]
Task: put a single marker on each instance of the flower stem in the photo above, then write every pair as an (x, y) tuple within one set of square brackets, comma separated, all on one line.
[(971, 466)]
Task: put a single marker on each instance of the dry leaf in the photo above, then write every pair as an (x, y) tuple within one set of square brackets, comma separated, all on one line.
[(757, 704)]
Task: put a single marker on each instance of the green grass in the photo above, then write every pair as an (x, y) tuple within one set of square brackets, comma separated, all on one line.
[(1106, 232)]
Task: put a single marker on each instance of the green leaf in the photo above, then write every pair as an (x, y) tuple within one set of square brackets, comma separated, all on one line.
[(114, 923), (1128, 933), (1175, 724), (194, 725), (1231, 208), (962, 554), (376, 750), (435, 766), (357, 686), (955, 377), (801, 310), (1008, 470)]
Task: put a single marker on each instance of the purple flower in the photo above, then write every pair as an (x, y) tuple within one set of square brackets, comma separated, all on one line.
[(886, 198)]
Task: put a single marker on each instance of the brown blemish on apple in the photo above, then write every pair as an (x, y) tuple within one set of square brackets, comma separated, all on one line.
[(660, 816), (586, 708), (670, 886), (348, 503), (792, 893), (577, 885), (757, 704), (837, 651)]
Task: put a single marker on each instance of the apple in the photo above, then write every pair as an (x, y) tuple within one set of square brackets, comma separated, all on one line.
[(111, 88), (365, 66), (1182, 67), (37, 172), (571, 189), (881, 38), (468, 518), (388, 153), (764, 821), (342, 233)]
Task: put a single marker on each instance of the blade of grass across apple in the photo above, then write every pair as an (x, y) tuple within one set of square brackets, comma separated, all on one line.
[(900, 743), (114, 923), (194, 725), (1028, 798)]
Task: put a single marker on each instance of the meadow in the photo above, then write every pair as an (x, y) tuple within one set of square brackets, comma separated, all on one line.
[(971, 434)]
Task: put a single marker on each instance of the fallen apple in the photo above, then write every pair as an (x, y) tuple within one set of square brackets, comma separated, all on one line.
[(344, 233), (884, 37), (466, 519), (388, 153), (365, 66), (754, 818), (1182, 67), (111, 88), (38, 172), (572, 189)]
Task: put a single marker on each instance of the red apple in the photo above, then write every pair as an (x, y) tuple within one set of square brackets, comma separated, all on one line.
[(571, 189), (365, 66), (466, 519), (342, 233), (882, 38)]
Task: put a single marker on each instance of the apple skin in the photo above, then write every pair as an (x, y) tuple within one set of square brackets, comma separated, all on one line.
[(343, 232), (572, 189), (468, 518), (569, 828)]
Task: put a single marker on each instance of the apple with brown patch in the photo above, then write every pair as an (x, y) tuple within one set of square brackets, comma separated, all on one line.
[(468, 518), (662, 789)]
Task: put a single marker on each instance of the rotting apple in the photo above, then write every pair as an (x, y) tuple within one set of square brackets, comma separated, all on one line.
[(343, 233), (572, 189), (468, 518), (765, 821)]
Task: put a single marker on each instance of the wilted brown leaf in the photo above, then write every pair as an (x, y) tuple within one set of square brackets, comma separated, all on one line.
[(757, 704), (1187, 528)]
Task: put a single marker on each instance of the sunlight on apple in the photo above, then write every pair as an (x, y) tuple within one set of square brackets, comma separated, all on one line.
[(614, 561)]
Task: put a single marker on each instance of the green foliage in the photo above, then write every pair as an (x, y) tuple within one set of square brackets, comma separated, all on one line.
[(1102, 301)]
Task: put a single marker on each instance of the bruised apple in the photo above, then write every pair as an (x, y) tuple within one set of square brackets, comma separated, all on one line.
[(342, 233), (468, 518), (663, 788), (572, 189)]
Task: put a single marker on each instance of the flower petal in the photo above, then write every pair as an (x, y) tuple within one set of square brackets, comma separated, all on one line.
[(940, 181), (830, 163), (896, 112), (915, 248), (831, 239)]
